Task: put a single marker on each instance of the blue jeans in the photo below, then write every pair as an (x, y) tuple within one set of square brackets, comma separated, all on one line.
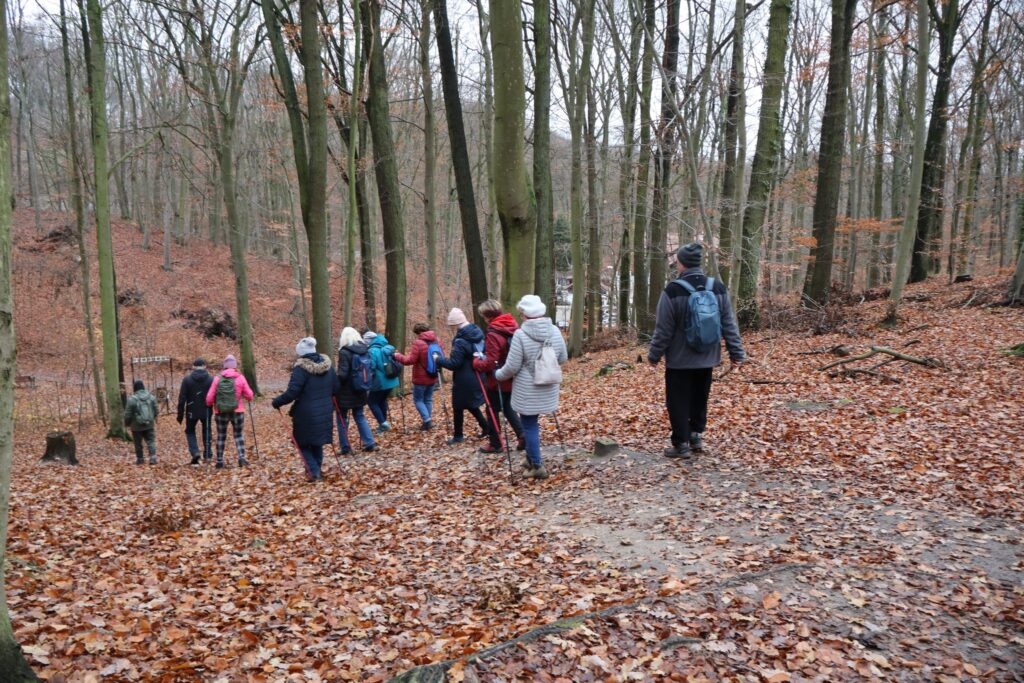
[(423, 399), (365, 433), (314, 458), (531, 434), (378, 403)]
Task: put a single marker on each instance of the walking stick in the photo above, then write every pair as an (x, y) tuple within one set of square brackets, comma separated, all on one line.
[(490, 409), (309, 473), (342, 425), (504, 427), (252, 421), (561, 440), (444, 404), (401, 406)]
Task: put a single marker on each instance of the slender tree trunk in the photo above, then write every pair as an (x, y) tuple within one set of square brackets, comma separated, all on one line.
[(75, 172), (905, 244), (877, 189), (97, 68), (544, 270), (429, 162), (12, 661), (642, 314), (728, 239), (491, 225), (460, 155), (628, 97), (769, 140), (929, 212), (666, 137), (830, 154), (386, 170), (579, 84), (514, 196), (594, 247)]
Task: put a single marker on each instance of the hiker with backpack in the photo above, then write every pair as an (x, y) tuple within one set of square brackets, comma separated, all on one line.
[(311, 393), (192, 409), (535, 356), (386, 372), (355, 377), (227, 391), (694, 315), (500, 329), (140, 413), (467, 394), (423, 356)]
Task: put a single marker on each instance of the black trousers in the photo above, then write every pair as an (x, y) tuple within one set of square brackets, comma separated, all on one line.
[(460, 416), (499, 403), (686, 396)]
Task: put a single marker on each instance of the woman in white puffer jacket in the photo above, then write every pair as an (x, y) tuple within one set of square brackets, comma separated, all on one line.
[(530, 400)]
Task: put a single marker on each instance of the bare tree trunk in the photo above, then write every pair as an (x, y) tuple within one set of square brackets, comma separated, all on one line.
[(727, 234), (643, 315), (544, 267), (429, 162)]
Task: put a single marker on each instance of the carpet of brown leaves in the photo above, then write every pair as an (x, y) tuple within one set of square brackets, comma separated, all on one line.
[(837, 529)]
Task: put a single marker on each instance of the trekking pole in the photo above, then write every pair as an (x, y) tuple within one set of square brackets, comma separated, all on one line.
[(444, 404), (309, 473), (504, 427), (401, 407), (490, 408), (561, 440), (341, 425), (252, 421)]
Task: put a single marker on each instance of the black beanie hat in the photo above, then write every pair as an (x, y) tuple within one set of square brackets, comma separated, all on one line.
[(690, 255), (137, 385), (199, 363)]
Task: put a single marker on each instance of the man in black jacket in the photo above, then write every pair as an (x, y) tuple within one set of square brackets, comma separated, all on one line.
[(192, 405)]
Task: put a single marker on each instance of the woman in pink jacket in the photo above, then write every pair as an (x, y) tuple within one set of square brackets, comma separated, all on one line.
[(225, 396)]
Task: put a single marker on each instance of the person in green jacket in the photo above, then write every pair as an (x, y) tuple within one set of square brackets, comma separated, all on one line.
[(382, 359), (140, 413)]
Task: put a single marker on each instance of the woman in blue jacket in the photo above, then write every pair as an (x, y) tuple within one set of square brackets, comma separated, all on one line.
[(310, 391), (381, 354), (467, 388)]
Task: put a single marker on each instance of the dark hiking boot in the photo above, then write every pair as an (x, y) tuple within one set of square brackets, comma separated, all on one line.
[(676, 452), (242, 462), (152, 460), (369, 449), (490, 448), (219, 465), (140, 461), (194, 461), (426, 426), (537, 473), (346, 451), (483, 435), (697, 442), (455, 440)]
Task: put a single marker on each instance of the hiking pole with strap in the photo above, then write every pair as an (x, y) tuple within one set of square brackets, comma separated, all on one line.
[(444, 404), (305, 466), (252, 421), (504, 427), (561, 440)]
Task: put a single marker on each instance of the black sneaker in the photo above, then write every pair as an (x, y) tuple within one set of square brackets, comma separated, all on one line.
[(697, 442), (346, 451), (242, 462), (219, 466), (678, 452), (369, 449), (194, 461), (140, 461), (455, 440)]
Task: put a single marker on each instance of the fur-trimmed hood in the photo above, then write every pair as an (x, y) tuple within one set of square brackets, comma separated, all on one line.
[(314, 363)]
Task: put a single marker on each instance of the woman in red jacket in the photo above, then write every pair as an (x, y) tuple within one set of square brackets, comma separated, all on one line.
[(423, 382), (500, 328)]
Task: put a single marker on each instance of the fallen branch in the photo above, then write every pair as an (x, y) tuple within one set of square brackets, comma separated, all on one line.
[(853, 372), (437, 672), (875, 350)]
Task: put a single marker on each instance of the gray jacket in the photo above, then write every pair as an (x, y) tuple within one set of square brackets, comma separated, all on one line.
[(669, 340), (527, 397)]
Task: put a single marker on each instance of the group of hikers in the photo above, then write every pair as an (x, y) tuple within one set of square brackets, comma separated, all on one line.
[(509, 370)]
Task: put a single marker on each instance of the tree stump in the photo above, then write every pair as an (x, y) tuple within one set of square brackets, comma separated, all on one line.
[(60, 447), (605, 447)]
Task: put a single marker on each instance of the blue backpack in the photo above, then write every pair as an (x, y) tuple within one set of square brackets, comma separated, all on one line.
[(360, 372), (433, 351), (703, 321)]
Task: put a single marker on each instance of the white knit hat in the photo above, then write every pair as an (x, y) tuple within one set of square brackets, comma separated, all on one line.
[(457, 317), (305, 346), (531, 306)]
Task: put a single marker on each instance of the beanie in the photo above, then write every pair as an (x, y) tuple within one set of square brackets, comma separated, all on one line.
[(199, 363), (690, 255), (230, 362), (531, 306), (137, 385), (457, 317), (369, 336), (305, 346)]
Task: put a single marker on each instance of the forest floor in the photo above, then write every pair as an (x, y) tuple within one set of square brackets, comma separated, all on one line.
[(838, 528)]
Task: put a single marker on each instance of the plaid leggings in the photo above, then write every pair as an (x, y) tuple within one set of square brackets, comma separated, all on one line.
[(237, 421)]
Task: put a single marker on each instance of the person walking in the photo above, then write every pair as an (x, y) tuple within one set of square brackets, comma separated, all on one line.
[(383, 363), (693, 316), (501, 327), (310, 391), (192, 409), (424, 382), (227, 391), (467, 394), (140, 414), (535, 354), (355, 378)]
